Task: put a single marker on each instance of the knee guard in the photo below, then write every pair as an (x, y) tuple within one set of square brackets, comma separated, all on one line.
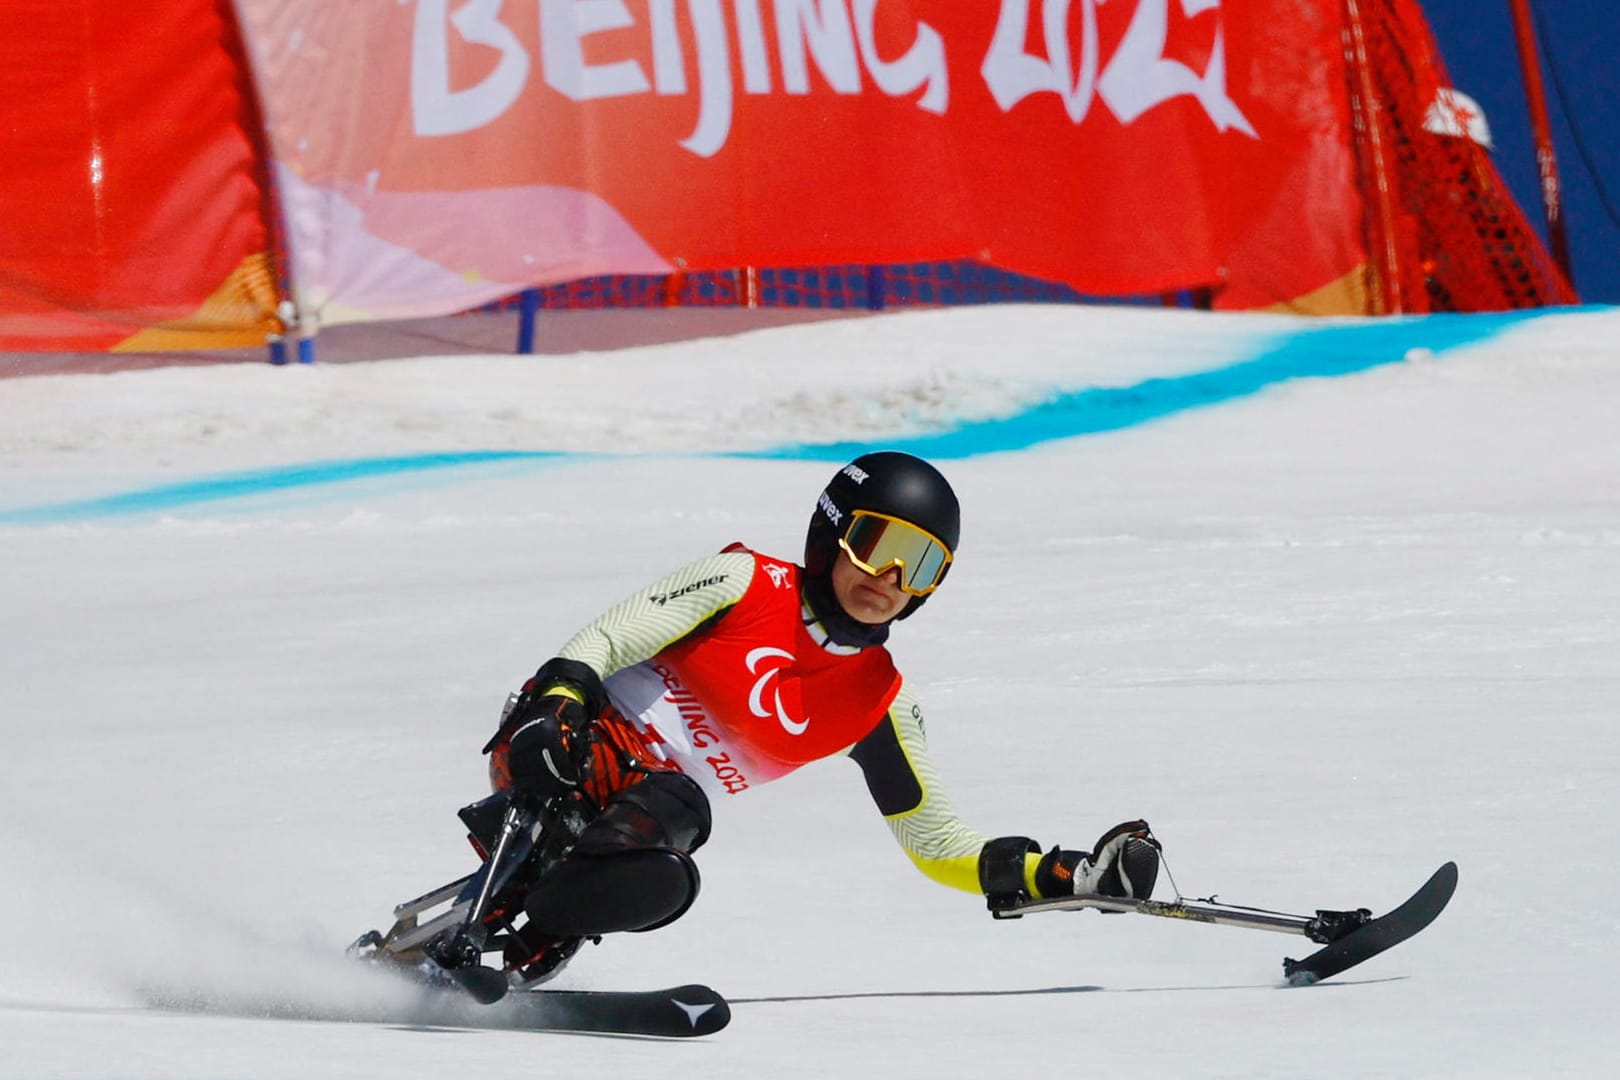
[(628, 889), (630, 869)]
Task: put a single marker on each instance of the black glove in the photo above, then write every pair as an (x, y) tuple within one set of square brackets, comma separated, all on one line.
[(550, 727), (541, 752), (1125, 862)]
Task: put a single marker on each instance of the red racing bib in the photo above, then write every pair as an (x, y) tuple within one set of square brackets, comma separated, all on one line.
[(755, 696)]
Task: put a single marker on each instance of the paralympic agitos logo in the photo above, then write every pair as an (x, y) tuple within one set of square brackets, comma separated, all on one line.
[(769, 679), (839, 38)]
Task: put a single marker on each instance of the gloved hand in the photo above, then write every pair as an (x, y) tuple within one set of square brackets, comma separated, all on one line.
[(541, 754), (1124, 862), (550, 730)]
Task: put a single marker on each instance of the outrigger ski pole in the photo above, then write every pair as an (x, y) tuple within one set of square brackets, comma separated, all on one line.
[(1349, 937)]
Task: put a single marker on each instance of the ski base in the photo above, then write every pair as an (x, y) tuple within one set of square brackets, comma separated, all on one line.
[(1377, 935)]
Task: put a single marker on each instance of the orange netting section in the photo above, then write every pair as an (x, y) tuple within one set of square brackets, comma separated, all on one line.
[(1443, 231)]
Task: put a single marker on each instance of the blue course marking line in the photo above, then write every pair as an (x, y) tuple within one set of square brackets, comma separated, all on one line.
[(1321, 351), (1334, 349), (260, 482)]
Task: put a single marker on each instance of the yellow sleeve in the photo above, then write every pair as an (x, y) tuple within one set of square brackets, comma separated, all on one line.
[(908, 791)]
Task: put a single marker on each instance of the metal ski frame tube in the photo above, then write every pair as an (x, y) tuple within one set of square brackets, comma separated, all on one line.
[(470, 897), (432, 899), (1322, 927), (515, 820), (460, 951), (455, 939), (404, 938)]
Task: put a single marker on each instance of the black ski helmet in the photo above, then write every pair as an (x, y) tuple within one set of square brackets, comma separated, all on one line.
[(887, 482)]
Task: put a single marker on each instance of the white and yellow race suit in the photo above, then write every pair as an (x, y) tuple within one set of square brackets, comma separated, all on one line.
[(726, 674)]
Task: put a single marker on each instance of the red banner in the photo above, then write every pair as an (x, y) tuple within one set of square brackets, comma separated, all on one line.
[(131, 213), (436, 154)]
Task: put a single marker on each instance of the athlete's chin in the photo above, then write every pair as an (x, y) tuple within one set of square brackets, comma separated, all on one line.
[(874, 613)]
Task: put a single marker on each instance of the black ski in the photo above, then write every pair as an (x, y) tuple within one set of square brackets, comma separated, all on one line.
[(680, 1012), (1378, 934), (479, 997)]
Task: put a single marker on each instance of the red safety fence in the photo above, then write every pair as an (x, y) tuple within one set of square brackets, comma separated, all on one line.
[(180, 172), (1444, 231), (133, 203)]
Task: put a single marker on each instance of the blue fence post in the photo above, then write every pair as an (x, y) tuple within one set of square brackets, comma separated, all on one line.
[(876, 286), (528, 306)]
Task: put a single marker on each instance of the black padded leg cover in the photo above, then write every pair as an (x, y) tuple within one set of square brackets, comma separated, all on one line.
[(667, 809), (630, 889)]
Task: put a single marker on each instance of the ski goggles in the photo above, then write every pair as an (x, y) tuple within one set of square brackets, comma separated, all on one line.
[(877, 543)]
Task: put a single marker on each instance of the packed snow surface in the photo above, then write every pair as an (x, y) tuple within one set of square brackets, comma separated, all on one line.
[(1329, 603)]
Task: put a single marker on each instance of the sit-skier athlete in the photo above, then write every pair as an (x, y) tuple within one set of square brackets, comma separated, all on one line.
[(734, 671)]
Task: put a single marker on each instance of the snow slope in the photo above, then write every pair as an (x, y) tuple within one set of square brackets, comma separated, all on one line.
[(1327, 602)]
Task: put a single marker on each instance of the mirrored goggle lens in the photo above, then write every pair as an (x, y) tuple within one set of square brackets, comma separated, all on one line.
[(877, 544)]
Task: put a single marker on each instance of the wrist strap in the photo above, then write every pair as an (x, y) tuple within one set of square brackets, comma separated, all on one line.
[(1001, 870)]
